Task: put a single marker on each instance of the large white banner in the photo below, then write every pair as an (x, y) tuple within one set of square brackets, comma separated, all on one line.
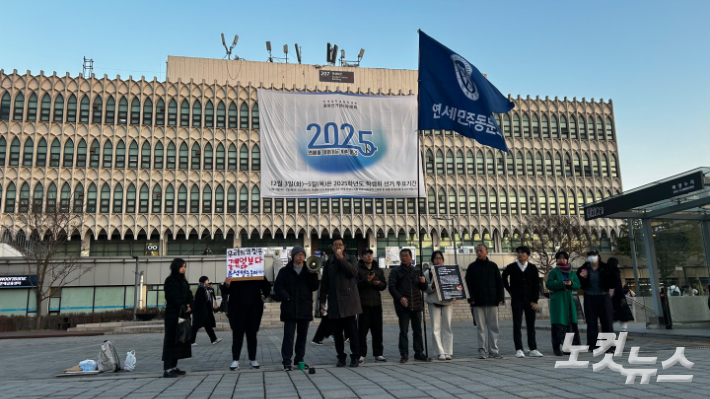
[(338, 145)]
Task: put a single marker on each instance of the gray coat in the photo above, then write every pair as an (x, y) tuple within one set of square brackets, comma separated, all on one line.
[(339, 287)]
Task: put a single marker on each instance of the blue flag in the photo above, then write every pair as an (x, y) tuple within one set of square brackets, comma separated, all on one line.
[(454, 95)]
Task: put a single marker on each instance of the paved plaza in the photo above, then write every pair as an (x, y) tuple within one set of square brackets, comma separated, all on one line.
[(28, 367)]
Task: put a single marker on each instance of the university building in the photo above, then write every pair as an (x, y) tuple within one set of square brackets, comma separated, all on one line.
[(172, 168)]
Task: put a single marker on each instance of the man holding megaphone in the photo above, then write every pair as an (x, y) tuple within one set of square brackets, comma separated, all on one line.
[(339, 288)]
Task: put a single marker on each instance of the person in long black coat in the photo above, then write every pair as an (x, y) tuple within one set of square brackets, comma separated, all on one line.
[(622, 312), (203, 312), (246, 307), (179, 302)]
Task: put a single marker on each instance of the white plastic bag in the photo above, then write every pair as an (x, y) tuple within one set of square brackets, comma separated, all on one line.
[(130, 363), (88, 365)]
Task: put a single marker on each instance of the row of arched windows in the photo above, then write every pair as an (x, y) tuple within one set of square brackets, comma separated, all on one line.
[(566, 127), (106, 199), (161, 113), (157, 156), (517, 164)]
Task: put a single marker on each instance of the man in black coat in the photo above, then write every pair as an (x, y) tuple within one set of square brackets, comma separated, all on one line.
[(485, 288), (406, 285), (371, 281), (294, 286), (596, 279), (246, 307), (524, 290), (178, 303), (339, 288), (203, 313)]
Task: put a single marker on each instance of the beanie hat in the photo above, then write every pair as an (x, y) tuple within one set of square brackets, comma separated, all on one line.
[(296, 250)]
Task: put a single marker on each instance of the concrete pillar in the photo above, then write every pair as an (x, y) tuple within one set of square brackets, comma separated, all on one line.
[(86, 246), (163, 250), (371, 240), (236, 240), (653, 273), (634, 260)]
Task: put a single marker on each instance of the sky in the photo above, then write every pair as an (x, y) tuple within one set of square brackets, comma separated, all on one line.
[(650, 57)]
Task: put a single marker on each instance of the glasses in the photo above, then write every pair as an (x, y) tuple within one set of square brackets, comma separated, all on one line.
[(338, 245)]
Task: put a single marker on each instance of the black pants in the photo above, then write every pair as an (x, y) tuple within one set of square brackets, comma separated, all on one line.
[(209, 331), (519, 307), (597, 307), (245, 321), (324, 329), (169, 364), (559, 331), (299, 329), (404, 319), (347, 326), (371, 320)]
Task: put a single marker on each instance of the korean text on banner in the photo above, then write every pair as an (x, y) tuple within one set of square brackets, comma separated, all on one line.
[(338, 145), (246, 263)]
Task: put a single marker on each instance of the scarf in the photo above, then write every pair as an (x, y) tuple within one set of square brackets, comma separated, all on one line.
[(564, 268), (207, 292)]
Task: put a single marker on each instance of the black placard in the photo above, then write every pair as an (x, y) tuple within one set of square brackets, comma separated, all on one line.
[(336, 76), (449, 282), (659, 192)]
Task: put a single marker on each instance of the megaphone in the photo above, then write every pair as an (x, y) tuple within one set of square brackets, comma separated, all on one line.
[(313, 263)]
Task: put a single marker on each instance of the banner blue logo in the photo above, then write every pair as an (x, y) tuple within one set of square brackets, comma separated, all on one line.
[(454, 95), (334, 148)]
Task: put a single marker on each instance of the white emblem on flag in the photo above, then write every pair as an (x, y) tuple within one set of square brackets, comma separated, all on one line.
[(463, 75)]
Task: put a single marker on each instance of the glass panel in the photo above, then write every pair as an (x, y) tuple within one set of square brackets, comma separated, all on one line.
[(14, 301), (77, 300), (109, 298)]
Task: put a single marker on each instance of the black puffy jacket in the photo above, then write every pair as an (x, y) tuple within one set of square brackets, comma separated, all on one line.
[(296, 292), (404, 283), (607, 278), (485, 286), (369, 292)]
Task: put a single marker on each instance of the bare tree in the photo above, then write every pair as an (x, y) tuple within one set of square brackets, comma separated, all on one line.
[(41, 237), (552, 233)]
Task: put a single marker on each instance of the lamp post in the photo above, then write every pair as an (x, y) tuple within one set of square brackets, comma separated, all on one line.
[(453, 235), (135, 294)]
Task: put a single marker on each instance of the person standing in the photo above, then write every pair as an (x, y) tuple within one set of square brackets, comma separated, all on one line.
[(406, 286), (596, 279), (485, 288), (562, 282), (178, 303), (246, 307), (295, 286), (440, 312), (620, 308), (339, 288), (371, 281), (203, 313), (522, 281)]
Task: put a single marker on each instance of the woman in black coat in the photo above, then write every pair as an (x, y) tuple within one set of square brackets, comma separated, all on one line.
[(203, 313), (178, 298), (622, 312)]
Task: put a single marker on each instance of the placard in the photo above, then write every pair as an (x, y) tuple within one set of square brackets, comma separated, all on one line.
[(392, 255), (449, 282), (245, 263)]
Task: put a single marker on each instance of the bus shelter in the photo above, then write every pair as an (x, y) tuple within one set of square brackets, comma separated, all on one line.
[(668, 224)]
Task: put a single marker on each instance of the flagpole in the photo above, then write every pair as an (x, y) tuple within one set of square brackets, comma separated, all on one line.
[(419, 229)]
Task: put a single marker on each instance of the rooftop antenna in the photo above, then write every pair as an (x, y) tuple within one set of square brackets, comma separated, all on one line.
[(286, 52), (352, 63), (298, 53), (334, 55), (229, 49), (88, 68), (268, 48), (328, 52)]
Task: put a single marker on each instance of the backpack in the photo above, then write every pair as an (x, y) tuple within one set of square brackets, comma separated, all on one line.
[(108, 358)]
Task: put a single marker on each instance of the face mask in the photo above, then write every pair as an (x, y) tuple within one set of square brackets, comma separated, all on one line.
[(592, 259)]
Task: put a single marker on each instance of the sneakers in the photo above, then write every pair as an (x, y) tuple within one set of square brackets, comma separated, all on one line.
[(341, 363), (216, 341), (496, 356), (482, 354), (362, 359), (421, 357), (404, 359), (194, 344), (288, 367), (448, 357), (178, 371), (535, 353), (254, 364), (558, 352), (519, 354), (442, 357), (234, 365), (319, 343), (354, 363), (169, 374), (380, 359)]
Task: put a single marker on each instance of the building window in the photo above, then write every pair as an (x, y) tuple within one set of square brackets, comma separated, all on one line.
[(71, 109), (553, 124), (442, 201), (431, 201), (516, 125), (68, 154), (196, 157), (536, 126), (158, 163), (159, 112), (118, 199), (184, 158), (59, 109), (24, 206), (84, 110), (94, 154), (46, 108), (145, 155), (195, 199), (563, 127), (81, 154), (79, 198), (10, 196), (219, 164), (483, 201), (172, 113), (313, 206), (108, 155), (290, 205), (207, 199), (37, 199), (157, 199), (144, 199), (379, 206), (357, 206), (538, 164), (135, 111), (221, 115), (324, 208), (450, 163), (347, 206), (244, 158), (133, 155), (196, 114), (15, 152), (219, 200), (131, 199), (255, 116), (255, 200), (209, 114), (439, 162), (147, 112), (171, 156), (55, 153), (452, 202), (529, 166), (209, 157), (400, 206), (123, 111), (185, 113), (279, 205), (5, 107), (255, 159), (169, 199), (41, 153), (110, 111), (244, 200), (429, 162), (182, 199), (105, 198), (232, 157), (480, 168), (506, 125), (233, 116), (368, 206), (335, 205), (19, 107), (91, 198), (244, 116)]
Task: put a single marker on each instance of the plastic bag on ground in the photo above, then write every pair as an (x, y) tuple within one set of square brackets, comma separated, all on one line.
[(88, 365), (130, 363)]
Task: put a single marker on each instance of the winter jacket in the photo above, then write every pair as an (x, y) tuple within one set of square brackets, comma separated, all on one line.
[(562, 307), (607, 278), (339, 287), (404, 283), (524, 286), (485, 285), (369, 292), (247, 293), (431, 295), (177, 297), (203, 312), (295, 292)]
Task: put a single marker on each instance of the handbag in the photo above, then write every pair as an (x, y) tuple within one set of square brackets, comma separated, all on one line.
[(183, 332)]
